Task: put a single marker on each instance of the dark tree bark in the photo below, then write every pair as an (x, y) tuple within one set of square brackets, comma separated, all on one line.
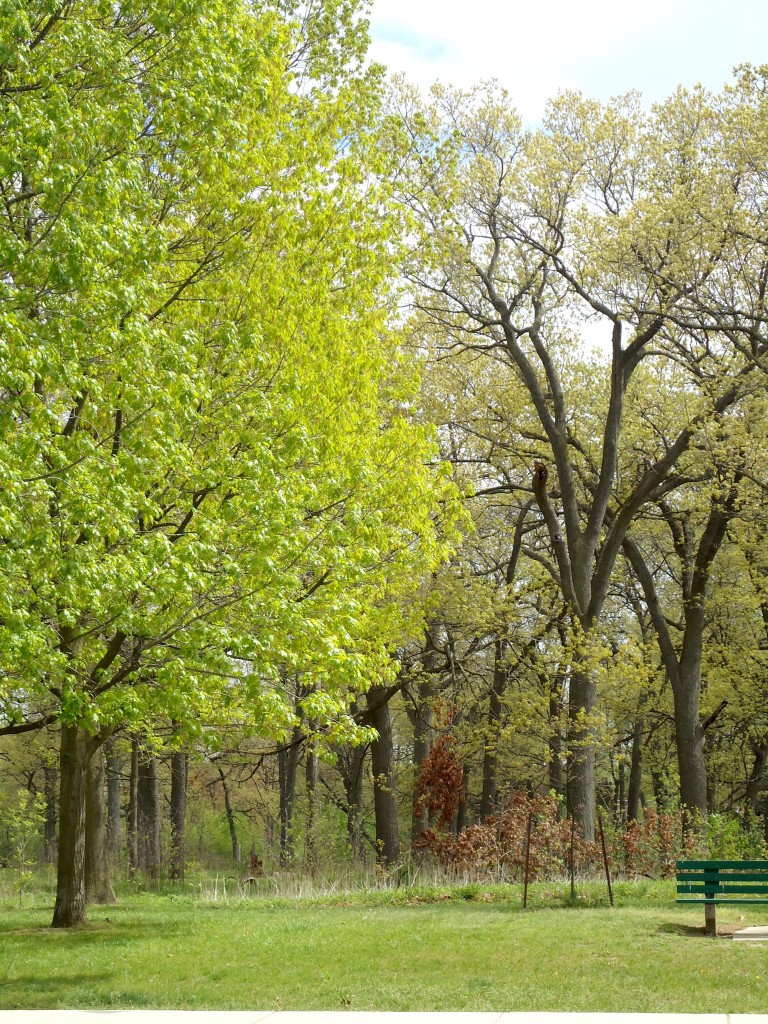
[(351, 762), (635, 772), (420, 715), (231, 823), (98, 886), (132, 823), (179, 776), (114, 822), (148, 816), (287, 765), (311, 777), (70, 884), (383, 768)]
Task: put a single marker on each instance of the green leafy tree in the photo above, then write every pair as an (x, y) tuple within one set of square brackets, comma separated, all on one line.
[(210, 479)]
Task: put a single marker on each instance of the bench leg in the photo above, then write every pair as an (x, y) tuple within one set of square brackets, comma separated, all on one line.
[(710, 924)]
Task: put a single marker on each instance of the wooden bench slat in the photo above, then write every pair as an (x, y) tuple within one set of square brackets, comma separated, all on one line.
[(717, 865), (737, 876), (723, 902), (719, 889)]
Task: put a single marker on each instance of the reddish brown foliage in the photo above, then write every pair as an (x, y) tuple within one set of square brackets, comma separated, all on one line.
[(497, 846), (441, 782)]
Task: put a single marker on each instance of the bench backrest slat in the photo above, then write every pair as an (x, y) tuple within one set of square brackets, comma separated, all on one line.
[(736, 876), (719, 865)]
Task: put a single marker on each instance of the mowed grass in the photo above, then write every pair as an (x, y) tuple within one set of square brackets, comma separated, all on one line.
[(388, 951)]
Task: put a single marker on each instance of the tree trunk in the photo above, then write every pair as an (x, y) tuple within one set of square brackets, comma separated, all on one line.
[(581, 754), (351, 769), (50, 782), (489, 800), (114, 830), (132, 824), (755, 781), (383, 767), (148, 816), (311, 783), (635, 772), (689, 735), (420, 718), (555, 774), (287, 764), (70, 881), (179, 775), (231, 823), (98, 887)]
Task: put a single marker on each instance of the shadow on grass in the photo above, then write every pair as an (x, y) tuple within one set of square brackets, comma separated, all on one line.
[(688, 930)]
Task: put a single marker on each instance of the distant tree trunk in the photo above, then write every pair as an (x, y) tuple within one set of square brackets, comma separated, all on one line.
[(420, 717), (98, 887), (70, 884), (383, 767), (114, 837), (489, 800), (581, 752), (148, 816), (287, 763), (231, 823), (132, 824), (635, 772), (179, 775), (351, 762), (50, 783), (555, 777), (311, 776)]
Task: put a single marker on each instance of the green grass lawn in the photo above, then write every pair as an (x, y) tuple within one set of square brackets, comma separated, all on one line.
[(389, 950)]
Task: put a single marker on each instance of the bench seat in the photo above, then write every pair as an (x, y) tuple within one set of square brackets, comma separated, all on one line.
[(738, 882)]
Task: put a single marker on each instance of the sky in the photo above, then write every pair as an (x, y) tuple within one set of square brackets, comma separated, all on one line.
[(603, 48)]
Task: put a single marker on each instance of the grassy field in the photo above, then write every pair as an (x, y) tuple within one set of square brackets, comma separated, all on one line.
[(403, 949)]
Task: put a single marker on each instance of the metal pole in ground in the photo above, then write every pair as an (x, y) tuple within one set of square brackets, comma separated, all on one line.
[(527, 859), (605, 857)]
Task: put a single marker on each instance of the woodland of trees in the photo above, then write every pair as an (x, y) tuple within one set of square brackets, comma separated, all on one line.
[(368, 460)]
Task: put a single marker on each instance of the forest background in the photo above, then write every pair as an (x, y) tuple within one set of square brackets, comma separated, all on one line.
[(382, 479)]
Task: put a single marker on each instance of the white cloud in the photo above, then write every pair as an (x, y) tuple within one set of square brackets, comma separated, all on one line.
[(603, 47)]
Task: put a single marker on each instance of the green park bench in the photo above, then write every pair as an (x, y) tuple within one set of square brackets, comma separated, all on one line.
[(721, 881)]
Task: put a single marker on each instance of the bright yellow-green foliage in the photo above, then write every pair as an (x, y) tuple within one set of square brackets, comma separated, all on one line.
[(208, 477)]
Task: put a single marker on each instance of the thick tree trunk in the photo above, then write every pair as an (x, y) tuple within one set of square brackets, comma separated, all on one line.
[(132, 823), (50, 784), (581, 753), (635, 772), (689, 735), (287, 764), (114, 830), (383, 767), (98, 886), (70, 882), (489, 800), (179, 775), (148, 816)]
